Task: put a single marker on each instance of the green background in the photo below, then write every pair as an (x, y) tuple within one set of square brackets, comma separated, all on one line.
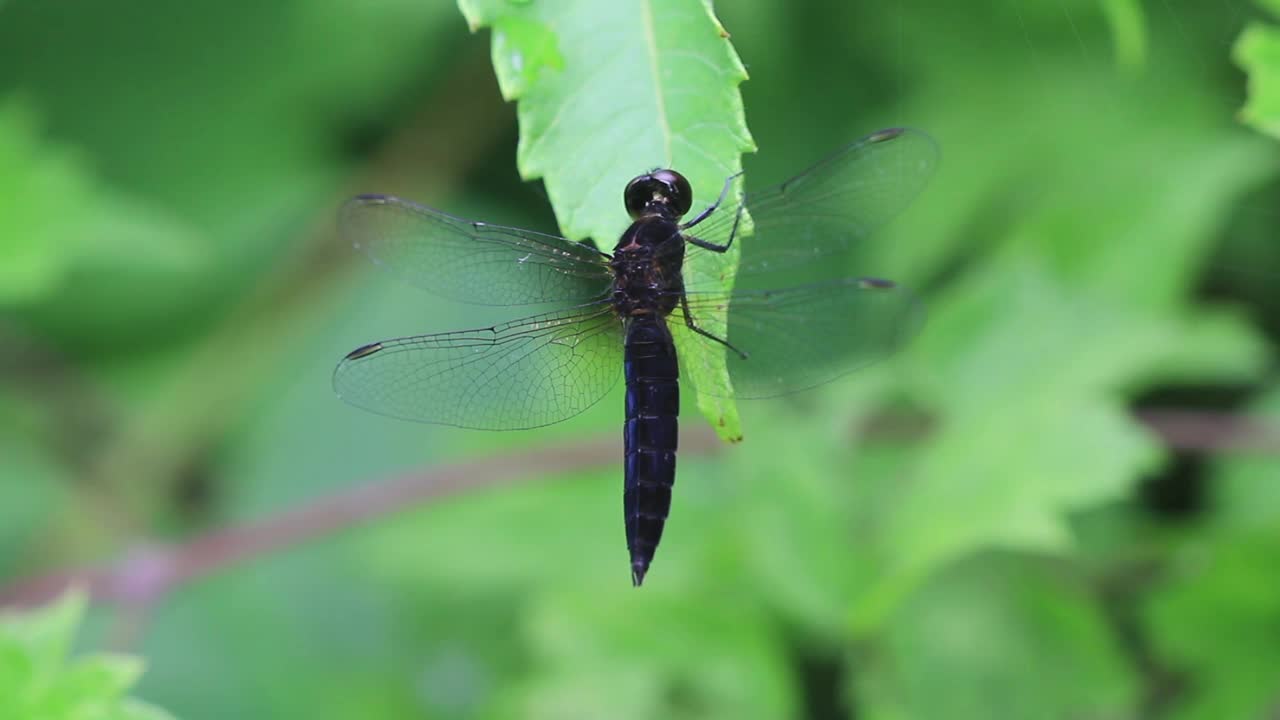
[(1061, 501)]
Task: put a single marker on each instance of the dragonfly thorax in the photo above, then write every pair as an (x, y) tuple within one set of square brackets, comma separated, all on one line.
[(647, 266)]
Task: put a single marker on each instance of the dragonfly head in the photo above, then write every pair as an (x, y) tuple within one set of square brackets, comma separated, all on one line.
[(661, 192)]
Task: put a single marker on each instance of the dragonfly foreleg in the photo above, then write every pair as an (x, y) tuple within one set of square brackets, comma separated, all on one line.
[(724, 192), (733, 233)]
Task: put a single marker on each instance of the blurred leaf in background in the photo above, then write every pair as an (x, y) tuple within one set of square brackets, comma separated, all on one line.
[(999, 636), (1258, 53), (1215, 614), (39, 680), (995, 524), (1128, 32)]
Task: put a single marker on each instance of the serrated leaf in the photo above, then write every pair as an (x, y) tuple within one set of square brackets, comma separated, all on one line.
[(1258, 53), (607, 91), (529, 48)]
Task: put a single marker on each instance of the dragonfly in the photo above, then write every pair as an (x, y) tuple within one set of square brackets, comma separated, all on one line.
[(794, 318)]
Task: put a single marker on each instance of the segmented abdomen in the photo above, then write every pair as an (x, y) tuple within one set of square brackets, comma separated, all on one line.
[(649, 436)]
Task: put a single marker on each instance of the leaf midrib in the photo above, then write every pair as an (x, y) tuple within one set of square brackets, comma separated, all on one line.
[(652, 43)]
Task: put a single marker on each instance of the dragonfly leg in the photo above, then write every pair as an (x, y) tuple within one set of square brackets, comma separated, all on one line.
[(688, 321), (714, 247), (733, 233), (724, 192)]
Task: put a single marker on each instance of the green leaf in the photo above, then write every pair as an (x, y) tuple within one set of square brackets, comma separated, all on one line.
[(40, 191), (38, 681), (1028, 361), (1004, 480), (1216, 619), (648, 655), (1172, 205), (609, 90), (1031, 426), (45, 635), (1128, 31), (59, 223), (998, 637), (214, 154), (130, 709), (1258, 53), (1218, 345), (1245, 494)]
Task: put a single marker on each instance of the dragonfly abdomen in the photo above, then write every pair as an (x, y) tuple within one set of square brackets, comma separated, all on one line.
[(649, 435)]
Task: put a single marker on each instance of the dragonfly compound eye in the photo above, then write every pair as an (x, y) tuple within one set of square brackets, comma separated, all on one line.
[(660, 188)]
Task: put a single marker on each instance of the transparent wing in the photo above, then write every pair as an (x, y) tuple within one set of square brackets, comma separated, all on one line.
[(825, 211), (471, 261), (800, 337), (523, 374)]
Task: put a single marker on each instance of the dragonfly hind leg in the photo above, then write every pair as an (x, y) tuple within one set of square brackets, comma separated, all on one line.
[(688, 321)]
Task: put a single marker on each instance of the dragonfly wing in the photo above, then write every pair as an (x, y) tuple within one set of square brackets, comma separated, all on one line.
[(800, 337), (472, 261), (825, 211), (523, 374)]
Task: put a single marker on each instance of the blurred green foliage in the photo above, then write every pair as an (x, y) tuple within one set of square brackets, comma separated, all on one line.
[(38, 680), (1258, 52), (982, 528)]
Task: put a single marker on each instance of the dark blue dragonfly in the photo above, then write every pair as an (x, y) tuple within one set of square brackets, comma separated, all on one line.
[(794, 319)]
